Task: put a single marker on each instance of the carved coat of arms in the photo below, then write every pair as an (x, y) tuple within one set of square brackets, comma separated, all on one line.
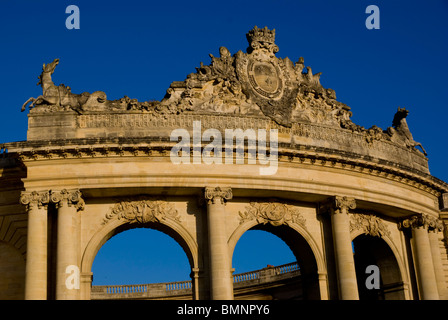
[(263, 76)]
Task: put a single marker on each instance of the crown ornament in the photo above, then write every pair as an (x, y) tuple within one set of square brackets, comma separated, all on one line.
[(261, 39)]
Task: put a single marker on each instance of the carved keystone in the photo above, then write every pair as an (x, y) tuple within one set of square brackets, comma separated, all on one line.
[(143, 210)]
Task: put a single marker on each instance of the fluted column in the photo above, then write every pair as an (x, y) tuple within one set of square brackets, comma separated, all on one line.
[(68, 203), (221, 286), (434, 227), (423, 257), (345, 263), (36, 252)]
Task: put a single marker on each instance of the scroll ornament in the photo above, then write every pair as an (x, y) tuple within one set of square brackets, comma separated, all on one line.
[(73, 198), (422, 221), (272, 212), (143, 211), (344, 203), (41, 199), (213, 194)]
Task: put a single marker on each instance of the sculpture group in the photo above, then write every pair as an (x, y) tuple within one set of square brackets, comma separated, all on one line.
[(255, 83)]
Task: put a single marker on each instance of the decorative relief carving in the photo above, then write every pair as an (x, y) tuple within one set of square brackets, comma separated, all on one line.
[(434, 224), (217, 194), (272, 212), (41, 199), (421, 221), (344, 203), (369, 224), (253, 83), (143, 210), (69, 197)]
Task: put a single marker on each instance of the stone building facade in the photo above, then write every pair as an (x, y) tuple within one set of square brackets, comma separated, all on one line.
[(341, 196)]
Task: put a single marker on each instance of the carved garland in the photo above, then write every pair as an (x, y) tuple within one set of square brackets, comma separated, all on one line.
[(272, 212), (143, 211), (369, 224)]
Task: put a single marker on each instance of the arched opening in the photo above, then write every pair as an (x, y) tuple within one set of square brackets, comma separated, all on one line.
[(258, 249), (374, 251), (283, 265), (150, 254)]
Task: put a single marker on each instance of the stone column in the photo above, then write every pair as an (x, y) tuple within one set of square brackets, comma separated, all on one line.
[(221, 286), (86, 285), (36, 251), (423, 259), (434, 227), (68, 203), (345, 263), (323, 285)]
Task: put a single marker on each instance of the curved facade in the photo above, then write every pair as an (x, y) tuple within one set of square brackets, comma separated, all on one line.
[(251, 141)]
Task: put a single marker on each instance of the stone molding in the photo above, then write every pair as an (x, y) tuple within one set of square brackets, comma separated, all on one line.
[(38, 198), (212, 195), (272, 212), (71, 197), (369, 224), (386, 170), (143, 210)]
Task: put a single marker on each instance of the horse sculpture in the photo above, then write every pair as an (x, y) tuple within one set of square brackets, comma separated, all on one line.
[(60, 95), (400, 131)]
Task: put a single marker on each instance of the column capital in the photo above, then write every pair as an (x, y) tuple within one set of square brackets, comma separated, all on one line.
[(434, 224), (35, 198), (344, 203), (213, 194), (421, 220), (72, 197), (338, 204)]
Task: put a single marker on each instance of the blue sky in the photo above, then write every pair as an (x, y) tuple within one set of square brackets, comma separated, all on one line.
[(137, 48)]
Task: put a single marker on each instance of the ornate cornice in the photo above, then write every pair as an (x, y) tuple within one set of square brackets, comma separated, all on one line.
[(300, 154), (143, 210), (40, 199), (369, 224), (272, 212), (212, 195), (71, 197)]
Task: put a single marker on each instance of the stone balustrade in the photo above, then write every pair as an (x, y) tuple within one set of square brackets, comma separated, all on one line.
[(184, 288)]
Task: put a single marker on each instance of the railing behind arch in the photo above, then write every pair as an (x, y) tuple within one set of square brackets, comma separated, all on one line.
[(252, 275), (268, 274), (178, 285), (127, 288)]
